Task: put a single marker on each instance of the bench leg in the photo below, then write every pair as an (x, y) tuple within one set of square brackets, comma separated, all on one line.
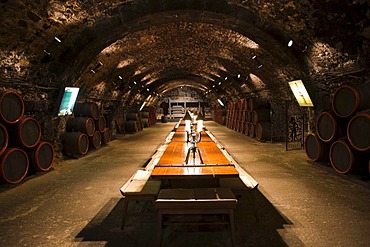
[(125, 206), (232, 227), (159, 228)]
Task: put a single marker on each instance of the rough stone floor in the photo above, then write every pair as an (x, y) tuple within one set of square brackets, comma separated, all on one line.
[(78, 203)]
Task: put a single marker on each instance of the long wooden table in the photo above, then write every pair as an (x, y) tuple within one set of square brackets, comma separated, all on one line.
[(175, 171), (193, 171), (175, 153)]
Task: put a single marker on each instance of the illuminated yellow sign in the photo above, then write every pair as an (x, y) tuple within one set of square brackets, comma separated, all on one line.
[(300, 93)]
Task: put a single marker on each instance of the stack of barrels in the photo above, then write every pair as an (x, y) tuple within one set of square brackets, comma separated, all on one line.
[(259, 120), (230, 115), (133, 121), (219, 115), (342, 135), (21, 151), (250, 117), (87, 130), (148, 116)]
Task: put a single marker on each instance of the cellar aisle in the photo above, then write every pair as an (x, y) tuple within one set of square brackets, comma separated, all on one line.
[(79, 204)]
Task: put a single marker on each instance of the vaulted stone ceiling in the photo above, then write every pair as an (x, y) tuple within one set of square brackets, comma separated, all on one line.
[(226, 49)]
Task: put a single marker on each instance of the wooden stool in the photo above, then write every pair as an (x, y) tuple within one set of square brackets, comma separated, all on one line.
[(148, 193), (203, 201)]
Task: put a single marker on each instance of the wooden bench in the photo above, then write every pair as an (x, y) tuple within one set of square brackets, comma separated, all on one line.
[(139, 188), (242, 185), (203, 201)]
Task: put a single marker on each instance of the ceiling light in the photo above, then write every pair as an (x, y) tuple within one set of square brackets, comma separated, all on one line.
[(135, 82), (254, 57), (147, 89), (290, 43), (225, 78), (238, 75), (120, 77), (57, 39), (219, 83), (214, 86)]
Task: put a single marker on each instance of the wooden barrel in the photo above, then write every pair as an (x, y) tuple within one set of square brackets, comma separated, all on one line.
[(81, 124), (101, 123), (14, 165), (246, 129), (88, 109), (235, 124), (248, 116), (106, 136), (251, 129), (11, 107), (145, 122), (316, 149), (131, 126), (358, 131), (328, 127), (4, 138), (26, 133), (258, 103), (42, 157), (263, 131), (348, 99), (243, 104), (144, 114), (133, 109), (75, 143), (242, 127), (342, 157), (132, 117), (163, 119), (260, 115), (95, 140)]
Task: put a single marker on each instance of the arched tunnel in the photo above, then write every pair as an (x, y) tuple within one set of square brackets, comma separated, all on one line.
[(212, 57)]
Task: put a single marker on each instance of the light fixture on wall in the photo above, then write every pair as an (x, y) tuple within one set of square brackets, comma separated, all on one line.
[(300, 93), (142, 106), (220, 102)]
